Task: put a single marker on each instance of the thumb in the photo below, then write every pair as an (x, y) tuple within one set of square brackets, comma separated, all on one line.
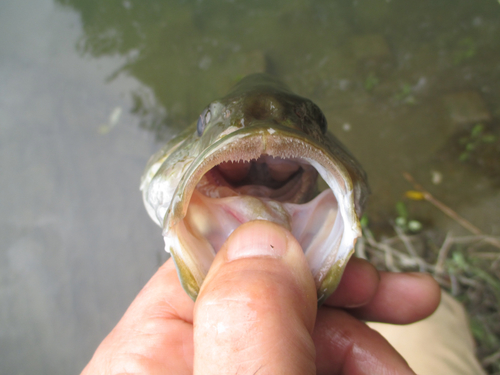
[(257, 306)]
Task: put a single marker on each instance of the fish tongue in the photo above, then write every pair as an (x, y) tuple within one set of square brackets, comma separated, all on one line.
[(215, 219)]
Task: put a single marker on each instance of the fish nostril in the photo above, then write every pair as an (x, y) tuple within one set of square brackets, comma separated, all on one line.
[(234, 171)]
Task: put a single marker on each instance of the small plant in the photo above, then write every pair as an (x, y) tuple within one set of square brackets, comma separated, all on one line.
[(468, 267), (405, 95), (364, 221), (403, 219), (465, 49), (371, 81), (477, 137)]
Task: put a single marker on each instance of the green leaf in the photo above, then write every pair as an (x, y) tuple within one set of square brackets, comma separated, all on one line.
[(460, 261), (364, 221), (463, 140), (477, 329), (464, 156), (400, 222), (490, 138), (477, 130), (371, 81), (402, 210), (415, 226), (470, 146)]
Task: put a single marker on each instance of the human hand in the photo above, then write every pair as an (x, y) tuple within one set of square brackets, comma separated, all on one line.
[(257, 314)]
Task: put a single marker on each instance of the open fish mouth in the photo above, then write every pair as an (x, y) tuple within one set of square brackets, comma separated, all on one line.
[(263, 173)]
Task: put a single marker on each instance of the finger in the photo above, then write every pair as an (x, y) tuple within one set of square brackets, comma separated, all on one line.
[(358, 285), (257, 306), (401, 298), (154, 335), (344, 345)]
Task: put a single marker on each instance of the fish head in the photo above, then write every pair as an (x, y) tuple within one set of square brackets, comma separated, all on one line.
[(256, 154)]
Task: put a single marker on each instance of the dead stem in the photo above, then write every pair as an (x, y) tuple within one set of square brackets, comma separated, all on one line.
[(391, 254), (487, 255), (449, 212), (491, 359), (443, 253), (471, 282), (360, 248), (410, 248), (455, 287)]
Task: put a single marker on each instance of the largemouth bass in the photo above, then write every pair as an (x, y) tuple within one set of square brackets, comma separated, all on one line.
[(256, 155)]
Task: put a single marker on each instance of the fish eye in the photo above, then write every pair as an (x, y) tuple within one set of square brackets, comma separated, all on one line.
[(202, 121)]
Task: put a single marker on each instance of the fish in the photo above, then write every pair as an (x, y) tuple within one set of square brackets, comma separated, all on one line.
[(259, 153)]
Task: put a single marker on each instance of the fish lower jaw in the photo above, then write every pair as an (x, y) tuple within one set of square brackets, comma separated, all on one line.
[(317, 225)]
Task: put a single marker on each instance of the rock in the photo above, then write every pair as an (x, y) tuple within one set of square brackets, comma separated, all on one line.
[(466, 107)]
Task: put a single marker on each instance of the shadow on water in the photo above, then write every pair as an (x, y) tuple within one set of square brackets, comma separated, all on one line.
[(187, 53), (401, 83)]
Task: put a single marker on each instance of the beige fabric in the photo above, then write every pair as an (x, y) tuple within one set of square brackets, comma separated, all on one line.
[(439, 345)]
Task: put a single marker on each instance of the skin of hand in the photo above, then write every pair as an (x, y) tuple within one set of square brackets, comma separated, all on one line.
[(257, 314)]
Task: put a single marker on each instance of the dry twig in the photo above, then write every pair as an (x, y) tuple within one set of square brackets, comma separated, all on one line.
[(449, 212), (409, 247), (443, 253)]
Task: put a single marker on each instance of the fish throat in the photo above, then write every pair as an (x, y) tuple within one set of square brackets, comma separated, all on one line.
[(282, 180)]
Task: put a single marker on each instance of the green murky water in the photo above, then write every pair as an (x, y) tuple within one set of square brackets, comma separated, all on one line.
[(381, 71), (90, 88)]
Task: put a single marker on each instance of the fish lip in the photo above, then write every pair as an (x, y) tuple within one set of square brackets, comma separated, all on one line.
[(270, 135)]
